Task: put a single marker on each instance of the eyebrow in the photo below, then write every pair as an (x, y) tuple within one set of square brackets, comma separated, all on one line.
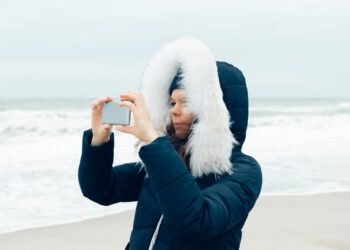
[(182, 99)]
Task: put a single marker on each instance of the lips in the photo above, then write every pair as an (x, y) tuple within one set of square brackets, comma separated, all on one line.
[(178, 125)]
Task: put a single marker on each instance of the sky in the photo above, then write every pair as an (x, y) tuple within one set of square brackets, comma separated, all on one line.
[(76, 48)]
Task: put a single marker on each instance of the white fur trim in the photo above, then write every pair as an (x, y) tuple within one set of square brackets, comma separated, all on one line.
[(211, 141)]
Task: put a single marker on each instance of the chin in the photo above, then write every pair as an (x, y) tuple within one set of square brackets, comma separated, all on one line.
[(180, 135)]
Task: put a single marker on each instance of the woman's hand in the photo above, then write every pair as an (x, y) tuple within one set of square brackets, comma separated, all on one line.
[(101, 132), (143, 128)]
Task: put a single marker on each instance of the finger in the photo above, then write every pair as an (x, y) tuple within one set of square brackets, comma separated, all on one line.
[(109, 99), (99, 101), (107, 126), (94, 104), (125, 129), (128, 104), (104, 99), (128, 96), (136, 97)]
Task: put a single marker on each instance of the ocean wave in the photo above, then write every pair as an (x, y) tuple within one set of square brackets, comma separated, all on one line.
[(301, 121), (42, 123), (338, 108)]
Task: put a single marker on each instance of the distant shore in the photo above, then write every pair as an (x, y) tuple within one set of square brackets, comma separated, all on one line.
[(310, 222)]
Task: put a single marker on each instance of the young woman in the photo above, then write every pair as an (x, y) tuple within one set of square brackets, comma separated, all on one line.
[(194, 185)]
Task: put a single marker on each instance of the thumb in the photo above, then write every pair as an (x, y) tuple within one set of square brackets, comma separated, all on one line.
[(107, 126), (125, 129)]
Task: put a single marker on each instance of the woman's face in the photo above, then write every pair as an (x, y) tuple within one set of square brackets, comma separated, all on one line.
[(182, 118)]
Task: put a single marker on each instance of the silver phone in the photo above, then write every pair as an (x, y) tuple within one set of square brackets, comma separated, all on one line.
[(114, 114)]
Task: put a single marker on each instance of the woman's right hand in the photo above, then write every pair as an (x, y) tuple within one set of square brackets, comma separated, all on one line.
[(100, 132)]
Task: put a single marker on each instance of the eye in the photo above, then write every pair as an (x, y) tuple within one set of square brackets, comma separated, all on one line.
[(172, 103)]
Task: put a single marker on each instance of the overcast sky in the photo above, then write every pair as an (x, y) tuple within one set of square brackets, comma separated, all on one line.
[(86, 48)]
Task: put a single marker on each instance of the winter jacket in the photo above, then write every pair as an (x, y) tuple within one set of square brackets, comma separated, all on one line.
[(206, 206)]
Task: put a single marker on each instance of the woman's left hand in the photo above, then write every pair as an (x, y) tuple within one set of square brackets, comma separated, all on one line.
[(143, 127)]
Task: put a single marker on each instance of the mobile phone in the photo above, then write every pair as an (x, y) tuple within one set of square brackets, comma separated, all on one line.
[(114, 114)]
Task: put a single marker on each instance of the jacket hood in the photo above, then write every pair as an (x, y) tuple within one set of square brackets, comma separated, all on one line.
[(215, 93)]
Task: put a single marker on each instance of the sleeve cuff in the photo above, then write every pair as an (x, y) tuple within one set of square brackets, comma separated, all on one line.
[(88, 137), (156, 141), (105, 147), (95, 164)]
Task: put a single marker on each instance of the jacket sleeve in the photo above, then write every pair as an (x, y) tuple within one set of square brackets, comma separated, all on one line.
[(102, 183), (190, 211)]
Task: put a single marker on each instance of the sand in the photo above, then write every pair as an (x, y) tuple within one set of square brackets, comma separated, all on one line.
[(307, 222)]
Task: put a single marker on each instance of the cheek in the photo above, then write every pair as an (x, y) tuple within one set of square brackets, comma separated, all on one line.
[(188, 117), (185, 111)]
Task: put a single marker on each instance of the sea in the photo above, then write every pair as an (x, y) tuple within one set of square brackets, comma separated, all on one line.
[(302, 146)]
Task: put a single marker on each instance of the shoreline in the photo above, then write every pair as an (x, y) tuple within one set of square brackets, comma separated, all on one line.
[(63, 222), (116, 213), (312, 221)]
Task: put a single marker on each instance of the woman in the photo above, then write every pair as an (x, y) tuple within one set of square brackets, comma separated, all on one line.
[(194, 185)]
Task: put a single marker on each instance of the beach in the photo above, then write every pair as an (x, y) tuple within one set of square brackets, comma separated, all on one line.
[(310, 222)]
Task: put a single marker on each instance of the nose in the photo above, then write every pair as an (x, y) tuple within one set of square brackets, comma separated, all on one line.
[(175, 110)]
